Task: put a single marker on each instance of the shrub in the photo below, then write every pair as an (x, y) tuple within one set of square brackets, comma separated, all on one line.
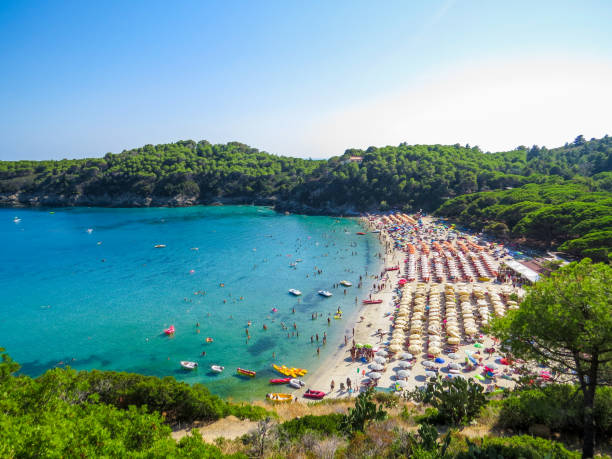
[(365, 410), (517, 447), (387, 399), (457, 400), (327, 424), (558, 406)]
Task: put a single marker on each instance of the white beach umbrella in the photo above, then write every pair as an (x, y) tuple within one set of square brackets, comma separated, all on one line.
[(380, 360), (402, 384), (404, 364), (415, 349), (453, 356), (428, 364), (434, 350), (403, 374), (454, 366), (382, 353), (374, 375), (377, 367), (406, 356), (431, 374)]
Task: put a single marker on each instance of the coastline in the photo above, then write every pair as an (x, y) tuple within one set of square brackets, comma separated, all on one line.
[(338, 366)]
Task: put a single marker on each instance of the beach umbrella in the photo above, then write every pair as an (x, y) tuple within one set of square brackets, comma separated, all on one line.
[(434, 350), (380, 360), (403, 374), (431, 374), (401, 384), (477, 345), (406, 356), (439, 360), (454, 366), (395, 348), (377, 367), (414, 348), (404, 364), (493, 366), (382, 353), (374, 375)]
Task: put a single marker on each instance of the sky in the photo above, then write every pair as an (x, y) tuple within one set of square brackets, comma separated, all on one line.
[(309, 79)]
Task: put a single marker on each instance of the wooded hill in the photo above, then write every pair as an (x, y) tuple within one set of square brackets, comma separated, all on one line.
[(560, 196)]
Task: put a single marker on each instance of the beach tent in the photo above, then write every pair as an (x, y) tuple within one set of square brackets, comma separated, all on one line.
[(523, 270)]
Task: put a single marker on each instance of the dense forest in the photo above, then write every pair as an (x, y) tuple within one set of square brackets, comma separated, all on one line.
[(519, 193)]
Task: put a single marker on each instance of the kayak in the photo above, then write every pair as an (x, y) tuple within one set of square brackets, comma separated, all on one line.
[(217, 368), (189, 365), (169, 330), (361, 233), (316, 394), (293, 372), (280, 380), (250, 373), (279, 397), (372, 301)]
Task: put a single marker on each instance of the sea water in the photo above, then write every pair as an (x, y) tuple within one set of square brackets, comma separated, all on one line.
[(86, 287)]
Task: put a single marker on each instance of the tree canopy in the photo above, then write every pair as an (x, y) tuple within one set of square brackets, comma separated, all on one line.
[(565, 322)]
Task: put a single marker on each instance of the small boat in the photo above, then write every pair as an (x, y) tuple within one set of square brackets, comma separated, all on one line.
[(250, 373), (159, 246), (217, 368), (337, 316), (346, 283), (325, 293), (296, 383), (170, 330), (280, 380), (189, 365), (376, 231), (316, 394), (16, 220), (360, 233), (298, 260), (209, 340), (279, 397), (392, 268), (295, 292), (90, 230), (274, 310), (372, 301)]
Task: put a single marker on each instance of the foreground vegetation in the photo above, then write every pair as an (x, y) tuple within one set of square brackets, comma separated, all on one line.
[(560, 197)]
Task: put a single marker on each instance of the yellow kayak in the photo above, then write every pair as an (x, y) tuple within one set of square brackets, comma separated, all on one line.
[(293, 372), (279, 397)]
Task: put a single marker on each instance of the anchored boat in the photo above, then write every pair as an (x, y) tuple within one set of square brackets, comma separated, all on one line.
[(189, 365), (250, 373)]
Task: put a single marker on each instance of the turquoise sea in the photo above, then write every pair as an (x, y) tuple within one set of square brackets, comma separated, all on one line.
[(102, 298)]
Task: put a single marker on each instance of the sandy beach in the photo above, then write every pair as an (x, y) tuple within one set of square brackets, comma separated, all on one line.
[(338, 367)]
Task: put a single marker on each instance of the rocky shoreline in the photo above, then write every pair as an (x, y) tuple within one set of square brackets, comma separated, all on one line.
[(25, 200)]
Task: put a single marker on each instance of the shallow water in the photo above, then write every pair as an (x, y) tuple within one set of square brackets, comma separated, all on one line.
[(103, 298)]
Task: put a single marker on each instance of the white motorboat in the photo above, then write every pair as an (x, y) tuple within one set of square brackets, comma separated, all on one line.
[(296, 383), (217, 368), (159, 246), (295, 292), (189, 365), (325, 293), (16, 220), (345, 283)]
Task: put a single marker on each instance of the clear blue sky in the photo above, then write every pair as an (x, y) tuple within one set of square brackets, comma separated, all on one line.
[(82, 78)]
